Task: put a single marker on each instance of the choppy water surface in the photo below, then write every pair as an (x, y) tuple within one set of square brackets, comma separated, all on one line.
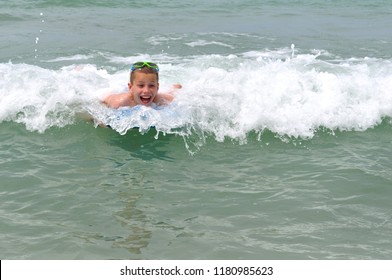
[(276, 147)]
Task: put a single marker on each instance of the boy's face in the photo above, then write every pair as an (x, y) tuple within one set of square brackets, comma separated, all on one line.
[(144, 88)]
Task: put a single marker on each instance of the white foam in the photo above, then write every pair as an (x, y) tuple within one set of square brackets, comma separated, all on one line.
[(293, 96), (76, 57), (227, 96), (199, 43), (41, 98)]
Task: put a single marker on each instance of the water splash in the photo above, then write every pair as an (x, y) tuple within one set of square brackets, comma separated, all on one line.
[(292, 50), (223, 96), (37, 38)]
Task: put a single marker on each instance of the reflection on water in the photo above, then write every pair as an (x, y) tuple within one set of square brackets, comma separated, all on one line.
[(134, 220)]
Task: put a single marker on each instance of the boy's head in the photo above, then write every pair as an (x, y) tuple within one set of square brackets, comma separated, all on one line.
[(144, 83), (144, 67)]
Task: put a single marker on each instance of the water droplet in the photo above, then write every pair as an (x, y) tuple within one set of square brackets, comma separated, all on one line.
[(292, 49)]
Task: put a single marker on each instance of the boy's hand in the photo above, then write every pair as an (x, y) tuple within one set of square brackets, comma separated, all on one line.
[(177, 86)]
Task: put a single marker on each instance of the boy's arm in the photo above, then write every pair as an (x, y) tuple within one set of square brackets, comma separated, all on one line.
[(167, 97), (174, 88), (117, 100), (164, 98)]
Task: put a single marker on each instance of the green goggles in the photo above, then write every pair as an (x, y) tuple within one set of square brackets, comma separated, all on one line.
[(140, 65)]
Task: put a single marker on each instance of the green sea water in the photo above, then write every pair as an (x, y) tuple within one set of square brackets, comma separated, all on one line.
[(277, 147), (79, 193)]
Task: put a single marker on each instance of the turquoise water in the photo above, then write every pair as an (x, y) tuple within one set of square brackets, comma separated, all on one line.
[(277, 147)]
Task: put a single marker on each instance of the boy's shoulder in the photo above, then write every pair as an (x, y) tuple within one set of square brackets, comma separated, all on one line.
[(163, 98), (116, 100)]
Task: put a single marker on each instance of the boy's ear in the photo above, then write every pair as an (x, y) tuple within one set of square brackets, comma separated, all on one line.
[(129, 85)]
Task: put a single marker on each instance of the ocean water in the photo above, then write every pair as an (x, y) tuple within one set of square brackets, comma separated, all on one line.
[(278, 146)]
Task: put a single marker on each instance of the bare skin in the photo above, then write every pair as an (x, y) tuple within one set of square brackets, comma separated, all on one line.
[(142, 91)]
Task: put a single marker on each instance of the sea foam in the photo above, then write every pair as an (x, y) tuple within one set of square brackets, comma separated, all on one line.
[(285, 91)]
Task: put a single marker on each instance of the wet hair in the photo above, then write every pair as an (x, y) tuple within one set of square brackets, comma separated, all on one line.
[(144, 70)]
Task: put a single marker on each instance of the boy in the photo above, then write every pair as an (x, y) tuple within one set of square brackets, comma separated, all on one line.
[(142, 88)]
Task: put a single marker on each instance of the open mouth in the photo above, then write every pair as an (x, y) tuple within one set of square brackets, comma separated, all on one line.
[(145, 100)]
